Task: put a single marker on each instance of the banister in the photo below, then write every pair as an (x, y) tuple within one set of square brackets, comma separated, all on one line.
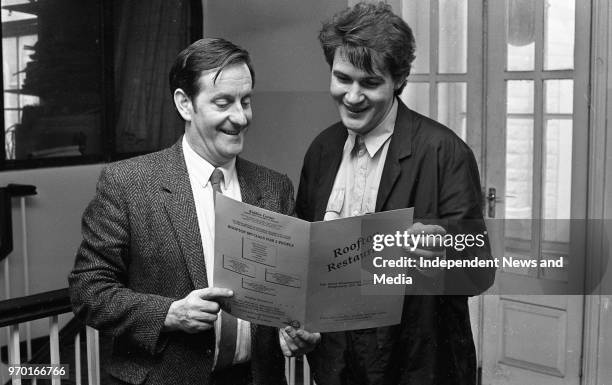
[(52, 303), (32, 307), (6, 222)]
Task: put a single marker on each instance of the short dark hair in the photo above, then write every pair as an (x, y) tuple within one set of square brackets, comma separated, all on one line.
[(203, 55), (371, 36)]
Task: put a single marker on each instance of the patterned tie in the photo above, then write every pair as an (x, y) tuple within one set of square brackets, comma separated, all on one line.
[(359, 147), (215, 181), (229, 325), (360, 172)]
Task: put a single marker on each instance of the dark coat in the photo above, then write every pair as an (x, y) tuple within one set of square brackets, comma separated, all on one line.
[(142, 250), (431, 169)]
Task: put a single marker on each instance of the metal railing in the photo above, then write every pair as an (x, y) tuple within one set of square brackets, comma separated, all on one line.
[(291, 372), (50, 305)]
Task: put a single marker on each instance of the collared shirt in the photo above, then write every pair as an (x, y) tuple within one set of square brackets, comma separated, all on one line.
[(200, 170), (356, 184)]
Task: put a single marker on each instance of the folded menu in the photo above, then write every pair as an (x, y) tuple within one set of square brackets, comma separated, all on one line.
[(313, 275)]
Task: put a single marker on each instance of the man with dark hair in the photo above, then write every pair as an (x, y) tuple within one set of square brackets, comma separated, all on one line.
[(143, 272), (383, 156)]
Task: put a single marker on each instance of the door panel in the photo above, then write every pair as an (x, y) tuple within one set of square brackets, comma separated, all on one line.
[(535, 159)]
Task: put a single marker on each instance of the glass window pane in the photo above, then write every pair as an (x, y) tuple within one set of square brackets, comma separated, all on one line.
[(557, 166), (416, 97), (58, 106), (26, 49), (416, 14), (559, 96), (559, 34), (11, 119), (11, 99), (556, 199), (520, 21), (13, 15), (452, 106), (452, 36), (519, 185), (519, 166), (520, 97), (557, 169), (9, 63)]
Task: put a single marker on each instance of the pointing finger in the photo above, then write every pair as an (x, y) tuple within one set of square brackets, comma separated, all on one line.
[(214, 292)]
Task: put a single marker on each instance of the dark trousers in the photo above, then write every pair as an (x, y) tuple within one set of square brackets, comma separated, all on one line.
[(235, 375)]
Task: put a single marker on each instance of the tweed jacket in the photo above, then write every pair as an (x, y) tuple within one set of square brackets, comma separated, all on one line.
[(429, 168), (142, 250)]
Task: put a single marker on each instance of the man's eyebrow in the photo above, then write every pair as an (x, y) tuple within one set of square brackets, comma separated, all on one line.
[(226, 95), (369, 77), (221, 95), (375, 78)]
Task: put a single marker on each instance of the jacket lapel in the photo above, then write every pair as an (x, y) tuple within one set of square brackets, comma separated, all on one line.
[(179, 204), (249, 184), (328, 168), (399, 148)]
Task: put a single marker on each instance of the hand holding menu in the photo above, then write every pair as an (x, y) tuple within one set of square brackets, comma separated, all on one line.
[(284, 270)]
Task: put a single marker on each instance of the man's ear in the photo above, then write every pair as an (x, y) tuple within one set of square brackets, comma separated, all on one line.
[(400, 84), (183, 104)]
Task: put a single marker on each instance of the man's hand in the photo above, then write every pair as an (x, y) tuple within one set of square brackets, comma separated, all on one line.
[(429, 241), (429, 245), (196, 312), (297, 342)]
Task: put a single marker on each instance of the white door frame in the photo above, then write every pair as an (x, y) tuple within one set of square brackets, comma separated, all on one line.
[(599, 166)]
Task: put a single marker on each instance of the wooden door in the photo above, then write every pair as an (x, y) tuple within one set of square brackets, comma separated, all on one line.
[(536, 160)]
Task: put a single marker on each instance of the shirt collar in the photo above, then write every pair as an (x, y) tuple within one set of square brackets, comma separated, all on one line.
[(377, 137), (200, 169)]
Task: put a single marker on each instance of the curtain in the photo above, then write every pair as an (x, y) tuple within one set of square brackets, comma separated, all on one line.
[(148, 36), (521, 22)]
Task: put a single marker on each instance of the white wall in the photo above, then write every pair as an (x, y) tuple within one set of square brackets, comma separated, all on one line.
[(53, 218), (291, 103), (604, 375), (53, 224)]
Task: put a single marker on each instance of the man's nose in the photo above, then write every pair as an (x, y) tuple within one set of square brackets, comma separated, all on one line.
[(238, 115), (353, 94)]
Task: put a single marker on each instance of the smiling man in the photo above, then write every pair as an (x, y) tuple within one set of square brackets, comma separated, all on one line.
[(143, 273), (383, 156)]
